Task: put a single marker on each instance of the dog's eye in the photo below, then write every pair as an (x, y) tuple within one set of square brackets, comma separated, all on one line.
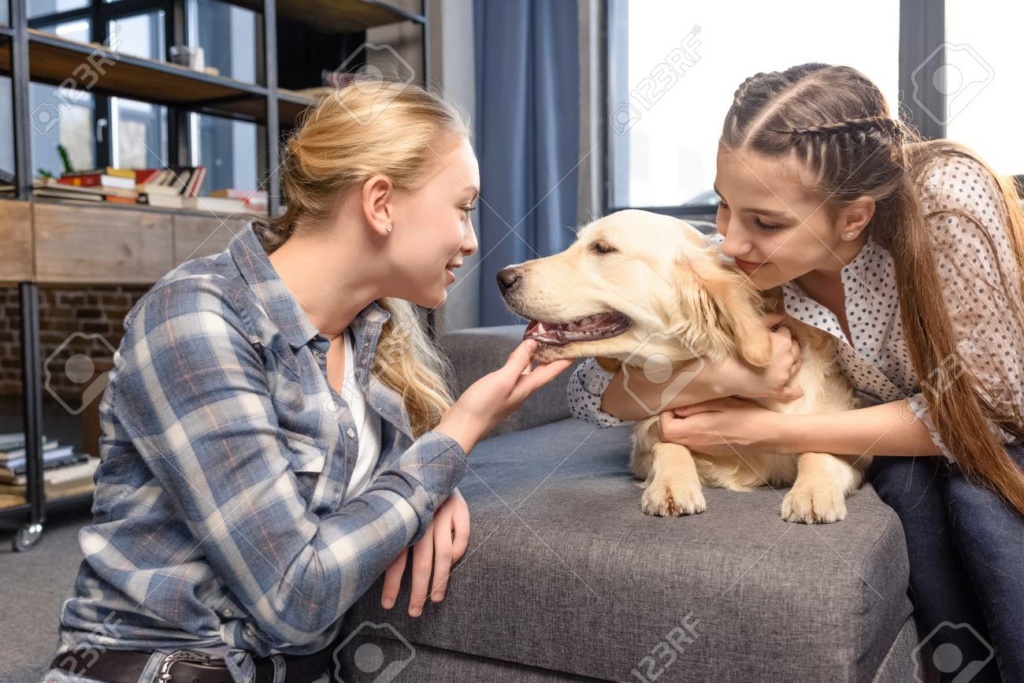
[(602, 247)]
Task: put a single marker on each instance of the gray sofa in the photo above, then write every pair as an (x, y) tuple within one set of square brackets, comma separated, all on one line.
[(565, 579)]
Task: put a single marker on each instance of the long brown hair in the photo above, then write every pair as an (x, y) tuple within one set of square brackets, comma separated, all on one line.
[(351, 135), (835, 122)]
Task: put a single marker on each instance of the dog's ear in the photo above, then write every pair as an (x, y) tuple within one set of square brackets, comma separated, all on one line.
[(738, 310), (608, 364)]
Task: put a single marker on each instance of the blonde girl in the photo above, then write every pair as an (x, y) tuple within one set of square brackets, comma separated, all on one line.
[(278, 430)]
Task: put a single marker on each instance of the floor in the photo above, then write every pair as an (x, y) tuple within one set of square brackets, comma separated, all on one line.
[(33, 585)]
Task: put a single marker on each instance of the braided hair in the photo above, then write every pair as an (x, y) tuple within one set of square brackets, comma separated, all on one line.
[(836, 124)]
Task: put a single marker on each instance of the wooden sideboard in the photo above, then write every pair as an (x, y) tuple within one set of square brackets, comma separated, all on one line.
[(60, 243), (53, 243)]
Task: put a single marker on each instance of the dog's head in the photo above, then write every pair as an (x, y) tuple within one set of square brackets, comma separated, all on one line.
[(636, 284)]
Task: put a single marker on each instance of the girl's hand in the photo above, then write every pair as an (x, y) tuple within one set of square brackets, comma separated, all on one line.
[(776, 381), (443, 544), (635, 397), (496, 395), (724, 426)]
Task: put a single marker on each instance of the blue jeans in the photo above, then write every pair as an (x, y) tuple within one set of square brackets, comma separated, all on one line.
[(966, 550)]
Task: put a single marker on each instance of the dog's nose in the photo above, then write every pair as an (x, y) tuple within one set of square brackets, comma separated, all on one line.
[(508, 278)]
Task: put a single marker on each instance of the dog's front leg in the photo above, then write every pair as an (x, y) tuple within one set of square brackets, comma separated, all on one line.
[(819, 493), (674, 487)]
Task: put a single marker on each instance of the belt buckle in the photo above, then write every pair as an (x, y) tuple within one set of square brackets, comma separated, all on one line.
[(188, 656)]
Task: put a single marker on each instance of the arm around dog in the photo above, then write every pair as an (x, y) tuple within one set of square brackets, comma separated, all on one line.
[(730, 426), (609, 399)]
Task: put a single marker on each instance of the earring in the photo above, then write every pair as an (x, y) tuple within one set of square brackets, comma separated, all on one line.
[(850, 235), (388, 228)]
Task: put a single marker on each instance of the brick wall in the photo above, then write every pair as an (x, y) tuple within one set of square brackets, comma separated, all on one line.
[(78, 328)]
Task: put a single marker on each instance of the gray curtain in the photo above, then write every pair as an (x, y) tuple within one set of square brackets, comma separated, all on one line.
[(527, 135)]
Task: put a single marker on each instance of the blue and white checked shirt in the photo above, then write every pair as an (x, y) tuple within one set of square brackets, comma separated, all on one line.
[(220, 521)]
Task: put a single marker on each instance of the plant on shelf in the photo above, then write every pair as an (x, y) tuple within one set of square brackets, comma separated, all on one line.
[(65, 158)]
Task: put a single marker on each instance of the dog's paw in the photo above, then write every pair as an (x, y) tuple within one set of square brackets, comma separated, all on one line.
[(811, 505), (672, 497)]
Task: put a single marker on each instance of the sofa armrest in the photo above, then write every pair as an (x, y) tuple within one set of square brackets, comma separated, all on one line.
[(476, 351)]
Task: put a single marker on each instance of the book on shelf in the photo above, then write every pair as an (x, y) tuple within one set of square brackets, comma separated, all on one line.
[(161, 200), (65, 481), (15, 448), (13, 456), (165, 187), (17, 440), (63, 456), (181, 180), (54, 472), (191, 176), (215, 204), (255, 200), (98, 180), (114, 199), (47, 187), (157, 188), (9, 501), (107, 170), (19, 494), (42, 187)]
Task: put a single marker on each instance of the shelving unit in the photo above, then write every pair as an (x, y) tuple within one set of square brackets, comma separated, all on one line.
[(52, 58), (50, 242)]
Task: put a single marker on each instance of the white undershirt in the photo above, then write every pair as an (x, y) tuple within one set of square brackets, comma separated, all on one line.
[(367, 425)]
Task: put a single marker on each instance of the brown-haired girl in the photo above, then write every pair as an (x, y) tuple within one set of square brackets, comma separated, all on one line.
[(910, 253), (278, 431)]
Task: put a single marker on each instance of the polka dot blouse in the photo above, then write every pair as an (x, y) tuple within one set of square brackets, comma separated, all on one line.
[(980, 286)]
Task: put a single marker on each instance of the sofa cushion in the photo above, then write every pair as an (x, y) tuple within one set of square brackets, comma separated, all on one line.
[(564, 572)]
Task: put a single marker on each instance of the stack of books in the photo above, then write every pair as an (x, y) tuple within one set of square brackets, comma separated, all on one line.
[(110, 184), (171, 187), (65, 472)]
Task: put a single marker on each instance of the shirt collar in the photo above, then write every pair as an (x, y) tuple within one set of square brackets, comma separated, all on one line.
[(274, 296)]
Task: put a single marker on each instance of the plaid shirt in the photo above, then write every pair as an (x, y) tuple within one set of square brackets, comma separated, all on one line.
[(220, 518)]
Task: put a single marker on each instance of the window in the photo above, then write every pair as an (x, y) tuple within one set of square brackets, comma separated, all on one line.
[(141, 133), (140, 35), (125, 133), (6, 131), (981, 83), (38, 8), (78, 29), (228, 149), (138, 129), (61, 116), (673, 69), (227, 35)]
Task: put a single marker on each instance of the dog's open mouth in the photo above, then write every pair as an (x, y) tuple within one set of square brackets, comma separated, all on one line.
[(590, 328)]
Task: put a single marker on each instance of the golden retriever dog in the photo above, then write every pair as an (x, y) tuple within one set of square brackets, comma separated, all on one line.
[(647, 292)]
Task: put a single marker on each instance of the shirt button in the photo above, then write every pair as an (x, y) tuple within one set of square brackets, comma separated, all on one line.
[(228, 613), (351, 433), (250, 631)]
